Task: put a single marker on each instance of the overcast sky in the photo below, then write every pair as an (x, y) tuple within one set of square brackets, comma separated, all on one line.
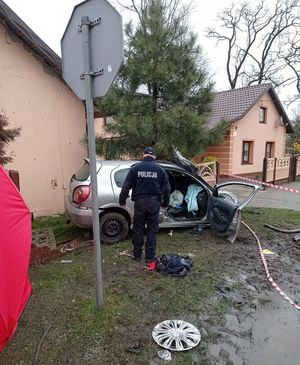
[(48, 19)]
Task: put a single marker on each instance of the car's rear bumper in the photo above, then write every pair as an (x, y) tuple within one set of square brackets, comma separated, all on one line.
[(81, 217)]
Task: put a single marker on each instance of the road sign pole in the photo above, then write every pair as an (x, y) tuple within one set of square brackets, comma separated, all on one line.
[(87, 74)]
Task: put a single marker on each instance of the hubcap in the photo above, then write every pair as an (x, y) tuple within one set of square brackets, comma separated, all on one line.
[(176, 335)]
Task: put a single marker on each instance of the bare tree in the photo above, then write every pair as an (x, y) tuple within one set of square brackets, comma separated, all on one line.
[(292, 60), (261, 42)]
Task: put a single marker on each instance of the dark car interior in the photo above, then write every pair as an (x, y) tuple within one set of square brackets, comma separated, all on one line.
[(179, 210)]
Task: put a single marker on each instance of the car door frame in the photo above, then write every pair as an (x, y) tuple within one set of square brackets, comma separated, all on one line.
[(220, 209)]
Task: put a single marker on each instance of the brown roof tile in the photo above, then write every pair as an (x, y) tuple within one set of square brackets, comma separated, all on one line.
[(234, 104)]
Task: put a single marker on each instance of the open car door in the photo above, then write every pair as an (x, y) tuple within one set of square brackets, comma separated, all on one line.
[(226, 204)]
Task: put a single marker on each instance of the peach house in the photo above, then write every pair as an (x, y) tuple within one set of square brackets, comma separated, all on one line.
[(34, 97), (258, 128)]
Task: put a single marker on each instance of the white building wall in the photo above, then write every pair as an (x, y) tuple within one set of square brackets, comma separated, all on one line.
[(52, 119)]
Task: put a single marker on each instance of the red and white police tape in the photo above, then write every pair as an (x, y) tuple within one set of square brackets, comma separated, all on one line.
[(271, 280), (290, 190)]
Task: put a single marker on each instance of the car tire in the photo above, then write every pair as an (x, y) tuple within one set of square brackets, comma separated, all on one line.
[(113, 227)]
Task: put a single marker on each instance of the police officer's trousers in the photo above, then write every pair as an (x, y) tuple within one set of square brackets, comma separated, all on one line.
[(146, 212)]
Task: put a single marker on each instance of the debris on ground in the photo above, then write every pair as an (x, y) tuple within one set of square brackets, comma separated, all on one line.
[(126, 253), (297, 237), (165, 355), (75, 244), (228, 294), (174, 265), (136, 348), (266, 251), (152, 266), (197, 231), (66, 261)]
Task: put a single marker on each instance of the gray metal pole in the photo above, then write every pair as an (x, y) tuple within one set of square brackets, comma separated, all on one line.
[(85, 27)]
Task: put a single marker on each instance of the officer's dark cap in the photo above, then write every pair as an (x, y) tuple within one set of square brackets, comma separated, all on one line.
[(149, 151)]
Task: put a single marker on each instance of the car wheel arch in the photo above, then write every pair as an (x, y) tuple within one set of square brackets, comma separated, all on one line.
[(117, 210)]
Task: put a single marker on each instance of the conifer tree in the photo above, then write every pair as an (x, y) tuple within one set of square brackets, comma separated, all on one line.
[(163, 93), (6, 136)]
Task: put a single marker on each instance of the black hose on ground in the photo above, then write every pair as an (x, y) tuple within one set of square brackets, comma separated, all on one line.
[(297, 230)]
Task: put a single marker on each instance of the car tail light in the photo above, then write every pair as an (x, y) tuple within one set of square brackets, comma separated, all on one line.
[(81, 193)]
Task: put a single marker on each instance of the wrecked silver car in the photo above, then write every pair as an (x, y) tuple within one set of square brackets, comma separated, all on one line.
[(193, 201)]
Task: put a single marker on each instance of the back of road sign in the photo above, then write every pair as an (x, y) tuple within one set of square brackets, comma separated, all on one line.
[(106, 47)]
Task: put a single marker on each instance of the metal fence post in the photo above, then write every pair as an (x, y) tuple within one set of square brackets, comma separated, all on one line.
[(293, 168), (274, 172), (264, 172)]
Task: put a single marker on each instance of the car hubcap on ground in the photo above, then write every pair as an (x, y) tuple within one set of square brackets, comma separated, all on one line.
[(176, 335)]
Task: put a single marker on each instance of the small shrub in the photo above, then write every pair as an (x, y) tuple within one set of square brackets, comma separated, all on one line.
[(6, 136), (209, 159), (296, 147)]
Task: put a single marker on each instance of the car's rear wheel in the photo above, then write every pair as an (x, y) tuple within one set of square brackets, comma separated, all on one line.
[(114, 227)]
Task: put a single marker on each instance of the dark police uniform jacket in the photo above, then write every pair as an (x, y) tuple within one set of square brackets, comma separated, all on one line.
[(146, 179)]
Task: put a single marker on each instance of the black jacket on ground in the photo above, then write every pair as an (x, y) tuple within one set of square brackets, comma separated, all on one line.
[(146, 179)]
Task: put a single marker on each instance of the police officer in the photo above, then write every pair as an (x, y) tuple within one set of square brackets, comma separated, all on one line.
[(150, 189)]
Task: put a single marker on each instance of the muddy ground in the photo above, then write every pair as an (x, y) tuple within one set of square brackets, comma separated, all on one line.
[(241, 318), (264, 327)]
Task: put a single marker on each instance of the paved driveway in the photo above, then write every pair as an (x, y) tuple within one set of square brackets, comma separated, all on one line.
[(276, 198), (272, 197)]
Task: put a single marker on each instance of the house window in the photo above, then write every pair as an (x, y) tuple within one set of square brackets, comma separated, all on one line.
[(270, 148), (108, 120), (262, 115), (281, 122), (247, 156)]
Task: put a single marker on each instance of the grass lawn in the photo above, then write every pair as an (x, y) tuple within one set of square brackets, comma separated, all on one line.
[(135, 300)]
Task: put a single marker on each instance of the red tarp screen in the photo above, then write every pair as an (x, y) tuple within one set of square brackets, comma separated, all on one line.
[(15, 243)]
